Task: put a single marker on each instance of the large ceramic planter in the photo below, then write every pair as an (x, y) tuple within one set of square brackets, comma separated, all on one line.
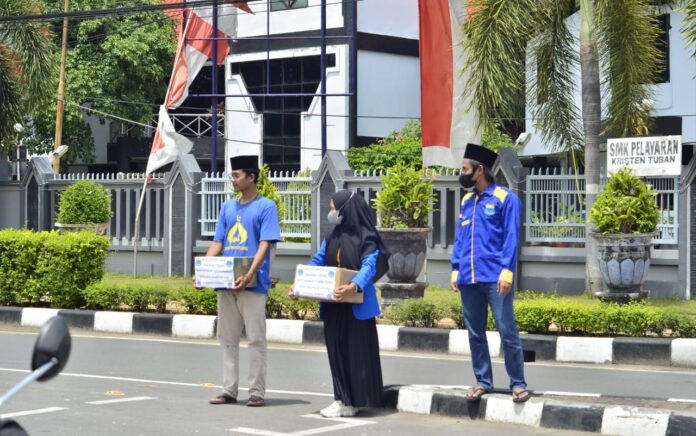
[(99, 228), (624, 260), (408, 249)]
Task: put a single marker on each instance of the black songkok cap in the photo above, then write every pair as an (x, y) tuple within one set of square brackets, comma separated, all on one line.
[(480, 154), (244, 162)]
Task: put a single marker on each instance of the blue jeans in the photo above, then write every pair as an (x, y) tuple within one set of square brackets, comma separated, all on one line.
[(475, 299)]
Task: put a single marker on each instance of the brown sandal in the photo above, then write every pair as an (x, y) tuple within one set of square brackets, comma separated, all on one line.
[(475, 393), (520, 395), (223, 399)]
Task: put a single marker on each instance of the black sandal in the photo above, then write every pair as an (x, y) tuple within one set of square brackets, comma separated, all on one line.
[(223, 399), (475, 393), (521, 395)]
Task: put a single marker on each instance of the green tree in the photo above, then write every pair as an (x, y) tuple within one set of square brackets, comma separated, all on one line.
[(621, 35), (26, 65), (400, 147), (111, 60)]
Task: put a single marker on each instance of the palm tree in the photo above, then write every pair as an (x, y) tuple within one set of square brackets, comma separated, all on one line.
[(620, 35), (26, 64)]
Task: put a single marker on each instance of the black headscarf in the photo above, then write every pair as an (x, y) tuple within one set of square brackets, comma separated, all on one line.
[(356, 236)]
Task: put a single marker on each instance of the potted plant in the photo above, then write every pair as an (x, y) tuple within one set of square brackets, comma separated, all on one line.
[(403, 206), (625, 215), (84, 205)]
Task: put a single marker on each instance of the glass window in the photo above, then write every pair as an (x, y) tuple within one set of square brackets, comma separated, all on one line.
[(282, 5)]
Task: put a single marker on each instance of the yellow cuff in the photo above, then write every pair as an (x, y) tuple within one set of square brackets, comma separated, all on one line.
[(455, 275), (505, 276)]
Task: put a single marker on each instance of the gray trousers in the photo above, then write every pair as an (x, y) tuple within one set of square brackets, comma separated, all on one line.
[(239, 310)]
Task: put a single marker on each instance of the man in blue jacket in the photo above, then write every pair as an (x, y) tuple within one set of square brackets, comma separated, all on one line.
[(483, 265)]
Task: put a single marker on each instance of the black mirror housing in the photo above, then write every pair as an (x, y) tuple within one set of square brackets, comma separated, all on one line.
[(53, 343)]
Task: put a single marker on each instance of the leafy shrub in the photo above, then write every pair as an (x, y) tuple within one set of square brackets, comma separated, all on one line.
[(402, 147), (416, 312), (626, 205), (84, 202), (198, 301), (279, 305), (405, 200), (138, 298), (102, 296), (49, 269)]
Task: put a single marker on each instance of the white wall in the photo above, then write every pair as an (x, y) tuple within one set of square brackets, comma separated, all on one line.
[(292, 20), (676, 98), (388, 85), (337, 135), (389, 17), (243, 126), (247, 127)]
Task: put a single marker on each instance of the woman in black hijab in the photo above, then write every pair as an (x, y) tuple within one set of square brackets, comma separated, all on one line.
[(350, 329)]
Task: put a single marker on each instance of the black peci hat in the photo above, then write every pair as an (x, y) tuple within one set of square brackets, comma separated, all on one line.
[(480, 154), (244, 162)]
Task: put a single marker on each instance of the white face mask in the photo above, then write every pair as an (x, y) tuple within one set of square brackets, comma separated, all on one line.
[(334, 217)]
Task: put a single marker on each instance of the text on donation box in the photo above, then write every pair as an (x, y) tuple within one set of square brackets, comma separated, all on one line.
[(649, 156), (319, 282), (221, 272)]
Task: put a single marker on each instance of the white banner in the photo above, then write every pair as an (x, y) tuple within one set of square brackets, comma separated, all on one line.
[(649, 156)]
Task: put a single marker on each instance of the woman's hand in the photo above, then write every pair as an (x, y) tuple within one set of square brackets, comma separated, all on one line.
[(341, 292), (291, 293)]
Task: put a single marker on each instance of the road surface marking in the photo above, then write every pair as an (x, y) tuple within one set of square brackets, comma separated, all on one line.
[(345, 423), (32, 412), (121, 400)]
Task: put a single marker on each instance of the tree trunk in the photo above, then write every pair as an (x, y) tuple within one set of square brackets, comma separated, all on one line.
[(592, 118)]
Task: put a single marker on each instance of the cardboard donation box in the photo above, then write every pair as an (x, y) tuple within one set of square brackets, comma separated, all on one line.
[(319, 282), (221, 272)]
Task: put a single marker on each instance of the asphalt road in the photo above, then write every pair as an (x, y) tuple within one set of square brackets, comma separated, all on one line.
[(136, 385)]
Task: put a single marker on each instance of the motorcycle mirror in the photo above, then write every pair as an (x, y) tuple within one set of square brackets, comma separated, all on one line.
[(53, 343)]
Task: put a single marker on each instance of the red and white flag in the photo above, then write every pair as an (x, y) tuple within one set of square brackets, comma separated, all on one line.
[(192, 52), (447, 122)]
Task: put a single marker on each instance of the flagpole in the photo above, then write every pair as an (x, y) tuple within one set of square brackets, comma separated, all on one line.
[(137, 227), (214, 98), (143, 191)]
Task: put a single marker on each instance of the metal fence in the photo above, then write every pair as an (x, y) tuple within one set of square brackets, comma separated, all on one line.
[(294, 189), (125, 190), (555, 207)]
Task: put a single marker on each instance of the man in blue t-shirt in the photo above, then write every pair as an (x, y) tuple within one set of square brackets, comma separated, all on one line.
[(247, 226)]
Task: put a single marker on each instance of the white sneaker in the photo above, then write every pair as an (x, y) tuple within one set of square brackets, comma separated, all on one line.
[(333, 411), (348, 411)]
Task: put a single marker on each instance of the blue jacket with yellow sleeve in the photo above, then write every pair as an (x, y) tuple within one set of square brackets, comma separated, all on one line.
[(487, 235)]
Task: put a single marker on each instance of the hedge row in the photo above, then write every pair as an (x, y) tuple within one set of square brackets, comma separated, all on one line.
[(549, 314), (46, 268), (144, 298), (534, 313)]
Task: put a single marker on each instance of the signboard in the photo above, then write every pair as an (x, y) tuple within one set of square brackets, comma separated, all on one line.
[(649, 156), (221, 272), (319, 282)]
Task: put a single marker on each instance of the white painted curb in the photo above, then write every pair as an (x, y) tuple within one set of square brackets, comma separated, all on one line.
[(388, 336), (634, 421), (36, 317), (414, 399), (585, 350), (113, 322), (193, 326), (459, 342), (503, 409), (287, 331), (684, 352)]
